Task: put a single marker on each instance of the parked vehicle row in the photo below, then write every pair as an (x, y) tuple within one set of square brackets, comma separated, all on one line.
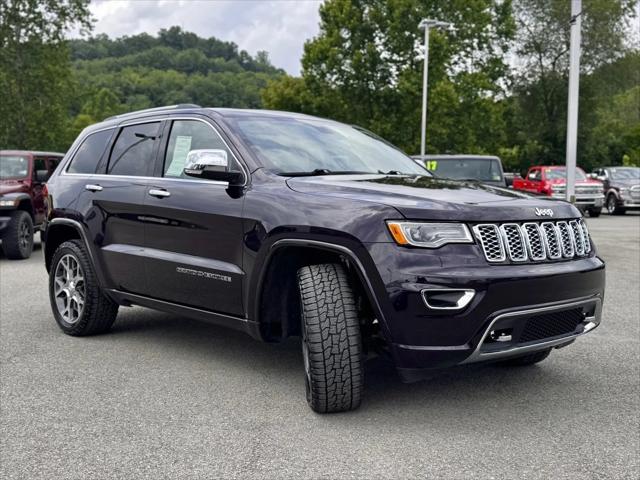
[(284, 225), (551, 181), (22, 198)]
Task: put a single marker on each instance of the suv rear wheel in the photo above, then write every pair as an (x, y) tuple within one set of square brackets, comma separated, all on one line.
[(17, 241), (78, 304), (331, 340)]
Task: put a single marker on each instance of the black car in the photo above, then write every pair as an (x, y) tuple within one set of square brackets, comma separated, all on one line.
[(279, 225), (621, 187), (486, 169)]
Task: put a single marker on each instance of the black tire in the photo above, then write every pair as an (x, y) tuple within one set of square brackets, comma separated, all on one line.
[(17, 241), (595, 212), (612, 206), (525, 360), (98, 312), (331, 340)]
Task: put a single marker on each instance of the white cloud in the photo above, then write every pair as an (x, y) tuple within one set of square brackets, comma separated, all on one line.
[(277, 26)]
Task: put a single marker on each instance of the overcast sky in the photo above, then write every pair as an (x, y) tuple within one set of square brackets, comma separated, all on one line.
[(277, 26)]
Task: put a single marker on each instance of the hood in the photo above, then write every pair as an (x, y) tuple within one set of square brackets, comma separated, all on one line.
[(427, 198), (627, 182), (12, 186)]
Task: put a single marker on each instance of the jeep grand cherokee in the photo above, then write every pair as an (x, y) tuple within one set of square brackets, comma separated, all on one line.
[(280, 225)]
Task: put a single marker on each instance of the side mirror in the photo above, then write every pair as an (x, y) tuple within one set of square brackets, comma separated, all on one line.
[(42, 176), (212, 165)]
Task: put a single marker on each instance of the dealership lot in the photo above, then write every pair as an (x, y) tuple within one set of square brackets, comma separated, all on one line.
[(160, 396)]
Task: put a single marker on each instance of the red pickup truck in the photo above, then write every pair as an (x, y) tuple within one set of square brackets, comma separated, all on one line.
[(551, 181)]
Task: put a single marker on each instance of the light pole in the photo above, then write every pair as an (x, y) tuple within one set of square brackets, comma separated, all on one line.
[(427, 23), (572, 109)]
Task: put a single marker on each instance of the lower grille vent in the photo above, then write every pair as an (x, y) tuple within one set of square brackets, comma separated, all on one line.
[(551, 325)]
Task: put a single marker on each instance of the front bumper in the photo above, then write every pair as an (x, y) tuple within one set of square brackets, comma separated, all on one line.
[(584, 201), (506, 297)]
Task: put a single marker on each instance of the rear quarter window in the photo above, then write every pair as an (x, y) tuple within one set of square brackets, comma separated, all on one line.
[(87, 157)]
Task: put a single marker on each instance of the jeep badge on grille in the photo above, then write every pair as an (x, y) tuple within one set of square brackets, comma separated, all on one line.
[(544, 212)]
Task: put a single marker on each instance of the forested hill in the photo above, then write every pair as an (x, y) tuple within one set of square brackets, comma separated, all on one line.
[(141, 71)]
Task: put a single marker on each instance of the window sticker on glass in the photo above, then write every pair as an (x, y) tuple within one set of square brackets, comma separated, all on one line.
[(180, 152), (431, 164)]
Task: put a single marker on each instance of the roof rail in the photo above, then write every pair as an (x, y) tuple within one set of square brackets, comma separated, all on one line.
[(156, 109)]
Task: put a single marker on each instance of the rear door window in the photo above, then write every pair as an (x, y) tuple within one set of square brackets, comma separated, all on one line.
[(87, 157), (133, 151)]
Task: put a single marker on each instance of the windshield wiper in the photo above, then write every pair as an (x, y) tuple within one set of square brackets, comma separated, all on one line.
[(321, 171)]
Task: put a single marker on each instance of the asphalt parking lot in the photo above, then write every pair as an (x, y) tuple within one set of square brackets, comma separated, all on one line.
[(163, 397)]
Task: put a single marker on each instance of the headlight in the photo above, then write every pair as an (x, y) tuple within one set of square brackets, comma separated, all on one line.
[(624, 191), (8, 203), (429, 235)]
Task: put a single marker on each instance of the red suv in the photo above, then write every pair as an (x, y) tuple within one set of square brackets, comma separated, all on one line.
[(22, 207)]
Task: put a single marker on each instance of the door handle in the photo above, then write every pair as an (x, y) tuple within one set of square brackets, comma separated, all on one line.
[(155, 192), (93, 188)]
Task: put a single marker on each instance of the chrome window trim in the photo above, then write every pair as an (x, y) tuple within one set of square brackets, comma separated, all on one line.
[(139, 121)]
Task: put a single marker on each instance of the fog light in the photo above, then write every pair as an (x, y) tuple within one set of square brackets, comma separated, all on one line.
[(447, 298)]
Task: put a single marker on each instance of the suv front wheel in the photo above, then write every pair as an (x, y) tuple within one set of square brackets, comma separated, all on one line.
[(78, 304), (331, 340)]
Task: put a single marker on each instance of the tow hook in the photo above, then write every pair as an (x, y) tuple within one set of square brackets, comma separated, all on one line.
[(503, 335)]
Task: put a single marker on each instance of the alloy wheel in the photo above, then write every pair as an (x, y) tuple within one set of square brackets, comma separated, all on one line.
[(69, 289), (24, 235)]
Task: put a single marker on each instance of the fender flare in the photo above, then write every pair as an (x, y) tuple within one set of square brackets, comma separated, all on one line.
[(83, 235)]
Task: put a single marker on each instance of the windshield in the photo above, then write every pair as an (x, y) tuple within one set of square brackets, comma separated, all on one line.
[(481, 169), (13, 167), (560, 173), (289, 145), (626, 173)]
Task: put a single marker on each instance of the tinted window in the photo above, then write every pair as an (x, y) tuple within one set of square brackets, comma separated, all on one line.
[(53, 163), (90, 152), (187, 135), (132, 153), (40, 165), (483, 169), (534, 175), (14, 166)]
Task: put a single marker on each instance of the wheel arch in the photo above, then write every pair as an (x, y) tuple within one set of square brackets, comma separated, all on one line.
[(280, 319), (58, 231)]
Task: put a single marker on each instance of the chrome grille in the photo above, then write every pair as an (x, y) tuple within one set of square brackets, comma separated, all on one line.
[(532, 241), (514, 242), (566, 239), (585, 236), (551, 238), (491, 242), (635, 192)]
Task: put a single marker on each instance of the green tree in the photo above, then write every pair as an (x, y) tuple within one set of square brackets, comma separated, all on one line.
[(35, 76), (364, 67), (539, 101)]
